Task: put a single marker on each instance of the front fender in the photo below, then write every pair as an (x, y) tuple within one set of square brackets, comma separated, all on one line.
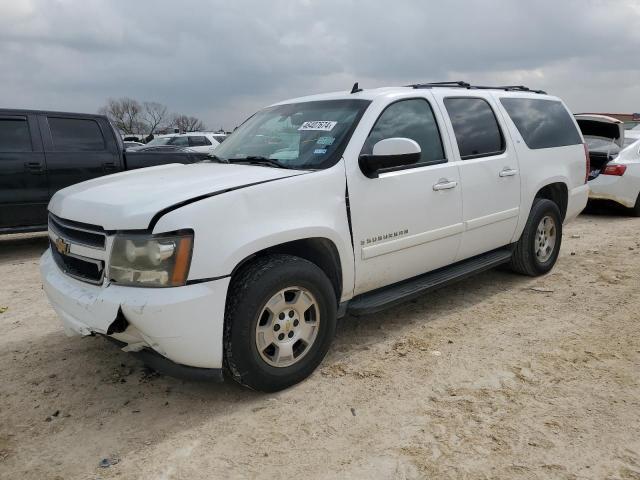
[(232, 226)]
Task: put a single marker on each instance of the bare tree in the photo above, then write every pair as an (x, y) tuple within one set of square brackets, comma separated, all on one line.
[(125, 114), (155, 116), (133, 118), (186, 123)]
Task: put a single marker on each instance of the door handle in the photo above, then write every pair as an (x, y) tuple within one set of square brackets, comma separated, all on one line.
[(508, 172), (109, 167), (34, 167), (444, 184)]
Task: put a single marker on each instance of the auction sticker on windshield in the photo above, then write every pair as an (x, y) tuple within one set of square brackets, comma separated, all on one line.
[(318, 125)]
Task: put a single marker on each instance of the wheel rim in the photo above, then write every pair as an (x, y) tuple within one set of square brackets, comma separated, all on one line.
[(545, 242), (287, 327)]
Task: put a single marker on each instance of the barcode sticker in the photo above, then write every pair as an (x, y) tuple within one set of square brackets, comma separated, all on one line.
[(318, 125)]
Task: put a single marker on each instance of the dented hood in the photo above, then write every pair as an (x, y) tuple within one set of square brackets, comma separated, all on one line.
[(129, 200), (601, 127)]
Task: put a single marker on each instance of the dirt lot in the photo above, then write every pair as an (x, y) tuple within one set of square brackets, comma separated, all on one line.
[(497, 377)]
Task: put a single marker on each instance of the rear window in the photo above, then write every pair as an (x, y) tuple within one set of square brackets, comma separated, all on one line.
[(14, 135), (475, 126), (542, 123), (76, 135)]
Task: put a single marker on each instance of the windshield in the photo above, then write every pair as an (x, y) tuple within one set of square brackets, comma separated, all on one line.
[(309, 135), (158, 141)]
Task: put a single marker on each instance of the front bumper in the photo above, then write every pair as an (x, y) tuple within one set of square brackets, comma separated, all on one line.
[(620, 189), (183, 324)]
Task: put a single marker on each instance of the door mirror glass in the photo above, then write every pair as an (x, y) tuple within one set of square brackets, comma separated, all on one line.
[(390, 153)]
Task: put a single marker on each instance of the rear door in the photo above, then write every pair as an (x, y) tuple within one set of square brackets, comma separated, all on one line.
[(489, 174), (23, 177), (78, 149)]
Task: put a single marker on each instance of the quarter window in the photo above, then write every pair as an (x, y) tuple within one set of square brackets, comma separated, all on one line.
[(76, 135), (411, 119), (475, 126), (14, 135), (542, 123)]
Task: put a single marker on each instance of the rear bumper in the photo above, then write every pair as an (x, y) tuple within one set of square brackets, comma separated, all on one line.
[(183, 324), (619, 189), (576, 202)]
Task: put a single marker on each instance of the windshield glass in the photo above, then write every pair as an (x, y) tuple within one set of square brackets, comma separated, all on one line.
[(158, 141), (309, 135)]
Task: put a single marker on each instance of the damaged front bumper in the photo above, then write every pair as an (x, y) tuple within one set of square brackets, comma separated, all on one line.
[(182, 324)]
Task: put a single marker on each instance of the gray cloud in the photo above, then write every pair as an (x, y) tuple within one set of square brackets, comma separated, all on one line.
[(223, 60)]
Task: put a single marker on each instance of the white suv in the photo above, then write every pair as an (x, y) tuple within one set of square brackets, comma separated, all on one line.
[(316, 207)]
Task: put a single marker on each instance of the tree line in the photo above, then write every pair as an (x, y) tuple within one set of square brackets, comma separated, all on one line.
[(132, 117)]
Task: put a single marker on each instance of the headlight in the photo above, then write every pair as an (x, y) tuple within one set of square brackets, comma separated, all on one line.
[(144, 260)]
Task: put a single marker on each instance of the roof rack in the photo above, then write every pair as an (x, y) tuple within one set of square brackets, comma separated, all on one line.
[(468, 86)]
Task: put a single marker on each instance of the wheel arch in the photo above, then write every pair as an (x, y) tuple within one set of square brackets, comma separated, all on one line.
[(558, 193), (320, 251)]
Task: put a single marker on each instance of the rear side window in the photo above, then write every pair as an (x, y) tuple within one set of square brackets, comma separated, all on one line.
[(542, 123), (199, 141), (179, 141), (76, 135), (14, 135), (412, 119), (476, 128)]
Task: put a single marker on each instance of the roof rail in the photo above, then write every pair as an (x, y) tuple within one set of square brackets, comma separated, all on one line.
[(468, 86)]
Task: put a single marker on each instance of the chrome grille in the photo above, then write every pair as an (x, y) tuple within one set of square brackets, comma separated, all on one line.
[(78, 249)]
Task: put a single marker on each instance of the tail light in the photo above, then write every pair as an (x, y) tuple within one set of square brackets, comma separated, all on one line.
[(614, 169), (587, 162)]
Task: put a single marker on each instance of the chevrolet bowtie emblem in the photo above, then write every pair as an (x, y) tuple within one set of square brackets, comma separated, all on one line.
[(62, 246)]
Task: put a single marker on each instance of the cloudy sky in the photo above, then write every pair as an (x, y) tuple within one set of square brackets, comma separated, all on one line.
[(222, 60)]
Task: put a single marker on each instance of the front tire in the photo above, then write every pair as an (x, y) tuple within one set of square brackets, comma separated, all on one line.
[(280, 319), (537, 250)]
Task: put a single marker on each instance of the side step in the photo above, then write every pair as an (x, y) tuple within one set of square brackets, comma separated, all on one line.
[(391, 295)]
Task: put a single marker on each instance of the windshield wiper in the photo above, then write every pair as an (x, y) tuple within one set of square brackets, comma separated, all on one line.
[(214, 158), (258, 160)]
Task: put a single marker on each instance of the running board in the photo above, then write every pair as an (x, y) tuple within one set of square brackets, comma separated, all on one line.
[(391, 295)]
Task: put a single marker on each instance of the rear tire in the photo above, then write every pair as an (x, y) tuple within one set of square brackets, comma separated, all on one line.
[(280, 319), (635, 211), (537, 250)]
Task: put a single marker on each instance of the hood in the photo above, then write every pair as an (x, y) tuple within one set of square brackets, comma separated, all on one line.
[(601, 127), (129, 200)]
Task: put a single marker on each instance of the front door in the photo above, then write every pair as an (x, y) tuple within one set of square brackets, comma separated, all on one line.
[(23, 174), (407, 221), (489, 175)]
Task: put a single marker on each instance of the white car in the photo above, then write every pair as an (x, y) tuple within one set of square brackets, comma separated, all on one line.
[(245, 262), (615, 160), (202, 142)]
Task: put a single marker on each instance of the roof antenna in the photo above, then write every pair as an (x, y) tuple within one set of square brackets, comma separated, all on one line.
[(355, 88)]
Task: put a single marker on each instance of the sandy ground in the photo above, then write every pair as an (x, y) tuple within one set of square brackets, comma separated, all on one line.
[(500, 376)]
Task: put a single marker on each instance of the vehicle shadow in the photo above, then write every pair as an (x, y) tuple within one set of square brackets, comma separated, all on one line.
[(20, 247)]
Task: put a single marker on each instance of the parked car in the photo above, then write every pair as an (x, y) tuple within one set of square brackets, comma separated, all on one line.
[(130, 144), (42, 152), (377, 196), (202, 142), (615, 160)]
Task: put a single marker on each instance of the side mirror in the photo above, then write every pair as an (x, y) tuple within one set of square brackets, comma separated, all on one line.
[(389, 153)]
